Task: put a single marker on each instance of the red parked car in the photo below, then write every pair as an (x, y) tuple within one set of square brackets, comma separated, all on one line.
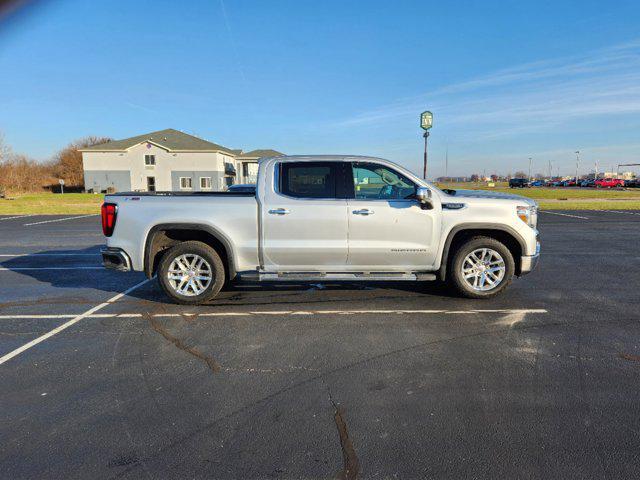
[(609, 183)]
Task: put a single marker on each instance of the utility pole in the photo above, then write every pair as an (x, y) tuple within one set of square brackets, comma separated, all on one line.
[(550, 172), (577, 165), (529, 168), (446, 161), (596, 174)]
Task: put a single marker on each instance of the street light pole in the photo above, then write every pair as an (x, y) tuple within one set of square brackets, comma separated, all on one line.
[(529, 168), (424, 171), (577, 165)]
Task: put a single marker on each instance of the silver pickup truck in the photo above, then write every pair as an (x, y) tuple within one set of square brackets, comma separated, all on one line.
[(323, 218)]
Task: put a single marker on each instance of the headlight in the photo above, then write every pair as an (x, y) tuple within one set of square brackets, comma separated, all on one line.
[(528, 214)]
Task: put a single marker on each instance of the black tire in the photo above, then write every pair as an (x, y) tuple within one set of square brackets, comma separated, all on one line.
[(456, 279), (192, 248)]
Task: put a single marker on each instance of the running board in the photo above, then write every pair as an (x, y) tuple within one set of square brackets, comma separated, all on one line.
[(334, 276)]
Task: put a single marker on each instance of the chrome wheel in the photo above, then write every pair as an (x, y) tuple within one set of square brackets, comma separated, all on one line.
[(483, 269), (189, 275)]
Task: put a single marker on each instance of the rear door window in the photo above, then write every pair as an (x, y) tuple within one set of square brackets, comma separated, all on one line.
[(309, 179)]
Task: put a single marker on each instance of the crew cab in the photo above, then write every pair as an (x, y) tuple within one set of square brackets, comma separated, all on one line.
[(323, 218)]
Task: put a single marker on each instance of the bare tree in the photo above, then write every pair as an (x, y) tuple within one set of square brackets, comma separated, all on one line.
[(5, 150), (67, 163)]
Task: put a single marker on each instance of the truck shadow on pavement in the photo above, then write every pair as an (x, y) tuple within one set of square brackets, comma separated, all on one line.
[(81, 270)]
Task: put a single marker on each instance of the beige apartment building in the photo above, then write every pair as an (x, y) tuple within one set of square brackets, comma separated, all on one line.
[(168, 160)]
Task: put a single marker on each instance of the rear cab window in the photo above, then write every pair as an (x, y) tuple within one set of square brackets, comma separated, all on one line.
[(312, 180)]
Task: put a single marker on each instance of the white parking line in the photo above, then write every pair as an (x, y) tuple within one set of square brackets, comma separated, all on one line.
[(563, 214), (60, 219), (14, 255), (619, 211), (282, 312), (18, 269), (18, 216), (66, 325)]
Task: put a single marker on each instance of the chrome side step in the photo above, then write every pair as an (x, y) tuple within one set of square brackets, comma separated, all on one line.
[(335, 276)]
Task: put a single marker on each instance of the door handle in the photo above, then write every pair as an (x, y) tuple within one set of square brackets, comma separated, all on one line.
[(364, 211), (279, 211)]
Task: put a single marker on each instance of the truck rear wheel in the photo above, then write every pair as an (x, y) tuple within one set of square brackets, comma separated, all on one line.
[(191, 273), (481, 268)]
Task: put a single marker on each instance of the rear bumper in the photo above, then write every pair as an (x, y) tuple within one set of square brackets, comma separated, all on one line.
[(529, 262), (115, 259)]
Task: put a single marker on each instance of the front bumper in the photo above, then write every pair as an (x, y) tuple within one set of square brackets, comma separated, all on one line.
[(116, 259), (529, 262)]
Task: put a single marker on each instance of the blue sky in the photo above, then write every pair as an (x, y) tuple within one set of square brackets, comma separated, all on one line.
[(505, 80)]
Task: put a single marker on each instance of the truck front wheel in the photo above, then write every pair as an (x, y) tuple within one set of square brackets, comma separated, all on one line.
[(482, 267), (191, 273)]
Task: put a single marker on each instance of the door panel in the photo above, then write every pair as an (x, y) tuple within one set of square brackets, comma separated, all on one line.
[(396, 234), (388, 229), (304, 233)]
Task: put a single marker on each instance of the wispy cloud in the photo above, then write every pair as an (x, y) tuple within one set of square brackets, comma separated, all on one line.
[(232, 40), (137, 106), (528, 96)]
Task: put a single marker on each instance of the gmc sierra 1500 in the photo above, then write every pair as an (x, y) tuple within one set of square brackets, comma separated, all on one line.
[(323, 218)]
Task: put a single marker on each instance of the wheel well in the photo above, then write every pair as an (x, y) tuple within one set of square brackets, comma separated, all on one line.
[(160, 240), (461, 236)]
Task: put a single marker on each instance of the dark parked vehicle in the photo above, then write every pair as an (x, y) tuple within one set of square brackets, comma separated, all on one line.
[(242, 188), (537, 183), (633, 183), (588, 183), (519, 183)]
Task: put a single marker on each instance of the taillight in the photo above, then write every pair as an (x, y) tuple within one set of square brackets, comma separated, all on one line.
[(109, 212)]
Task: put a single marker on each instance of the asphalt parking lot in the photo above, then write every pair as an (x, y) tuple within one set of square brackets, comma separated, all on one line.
[(394, 380)]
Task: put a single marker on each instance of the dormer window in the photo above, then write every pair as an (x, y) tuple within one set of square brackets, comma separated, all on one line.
[(149, 160)]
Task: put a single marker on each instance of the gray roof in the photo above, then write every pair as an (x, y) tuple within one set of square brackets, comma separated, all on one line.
[(260, 153), (172, 140)]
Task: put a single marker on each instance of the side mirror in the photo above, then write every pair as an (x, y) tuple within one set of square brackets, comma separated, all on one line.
[(423, 195)]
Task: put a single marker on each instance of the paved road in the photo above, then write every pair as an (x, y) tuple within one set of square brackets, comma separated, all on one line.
[(324, 381)]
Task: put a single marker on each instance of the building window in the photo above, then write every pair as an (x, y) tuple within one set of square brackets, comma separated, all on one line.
[(185, 183), (149, 160), (205, 183)]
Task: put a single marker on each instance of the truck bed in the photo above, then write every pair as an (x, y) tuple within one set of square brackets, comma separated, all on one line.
[(179, 194), (233, 215)]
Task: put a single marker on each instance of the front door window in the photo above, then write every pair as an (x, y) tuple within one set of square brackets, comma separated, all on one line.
[(377, 182)]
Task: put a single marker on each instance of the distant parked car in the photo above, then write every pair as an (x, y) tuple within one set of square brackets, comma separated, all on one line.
[(569, 183), (633, 183), (242, 188), (519, 183), (609, 183), (588, 183), (537, 183)]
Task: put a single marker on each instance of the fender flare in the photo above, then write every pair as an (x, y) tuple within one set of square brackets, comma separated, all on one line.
[(214, 232), (444, 259)]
